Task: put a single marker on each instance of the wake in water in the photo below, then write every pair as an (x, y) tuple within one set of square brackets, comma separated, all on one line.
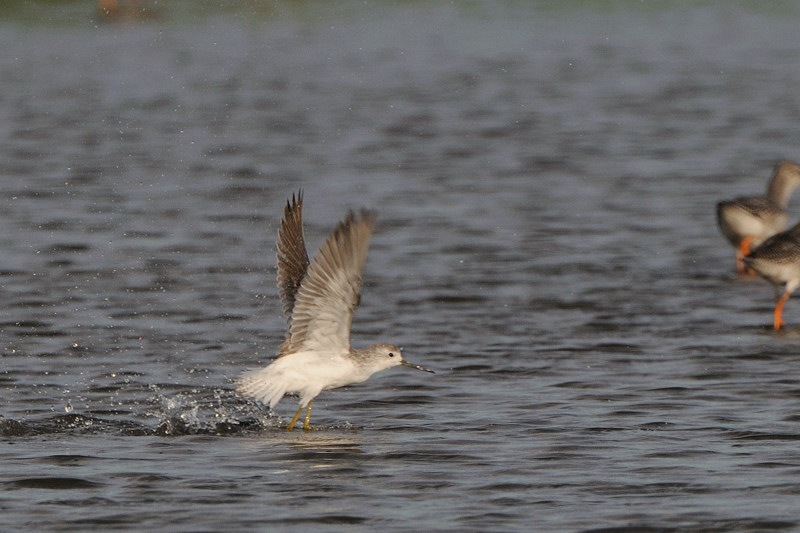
[(189, 412)]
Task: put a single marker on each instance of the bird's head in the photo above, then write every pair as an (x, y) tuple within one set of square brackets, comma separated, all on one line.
[(382, 356)]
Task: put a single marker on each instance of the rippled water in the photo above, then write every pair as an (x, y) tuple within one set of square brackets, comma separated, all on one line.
[(545, 179)]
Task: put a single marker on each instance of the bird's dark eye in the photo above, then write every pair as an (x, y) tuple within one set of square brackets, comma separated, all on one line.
[(391, 354)]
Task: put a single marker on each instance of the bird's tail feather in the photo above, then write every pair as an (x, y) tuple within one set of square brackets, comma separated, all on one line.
[(257, 383)]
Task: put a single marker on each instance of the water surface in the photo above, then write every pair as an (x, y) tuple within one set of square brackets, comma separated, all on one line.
[(545, 179)]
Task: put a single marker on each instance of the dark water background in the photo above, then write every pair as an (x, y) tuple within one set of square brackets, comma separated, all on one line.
[(545, 175)]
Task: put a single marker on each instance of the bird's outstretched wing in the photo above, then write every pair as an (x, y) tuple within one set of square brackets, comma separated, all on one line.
[(323, 305)]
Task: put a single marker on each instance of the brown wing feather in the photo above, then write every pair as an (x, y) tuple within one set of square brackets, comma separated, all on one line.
[(292, 254)]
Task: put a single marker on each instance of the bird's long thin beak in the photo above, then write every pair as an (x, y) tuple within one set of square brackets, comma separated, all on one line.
[(417, 367)]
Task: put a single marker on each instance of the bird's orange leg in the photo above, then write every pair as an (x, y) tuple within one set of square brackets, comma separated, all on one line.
[(741, 252), (744, 246), (740, 268), (777, 322), (294, 420)]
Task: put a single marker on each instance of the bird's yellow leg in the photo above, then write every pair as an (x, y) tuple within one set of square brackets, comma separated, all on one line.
[(307, 426), (294, 420), (777, 321)]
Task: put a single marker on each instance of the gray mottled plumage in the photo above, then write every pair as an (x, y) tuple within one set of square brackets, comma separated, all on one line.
[(764, 215), (779, 250), (778, 261), (749, 221)]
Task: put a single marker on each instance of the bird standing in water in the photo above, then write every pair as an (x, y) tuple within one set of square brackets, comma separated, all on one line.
[(748, 221), (778, 261), (320, 299)]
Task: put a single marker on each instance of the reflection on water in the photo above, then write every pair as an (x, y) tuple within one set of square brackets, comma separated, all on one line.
[(545, 178)]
